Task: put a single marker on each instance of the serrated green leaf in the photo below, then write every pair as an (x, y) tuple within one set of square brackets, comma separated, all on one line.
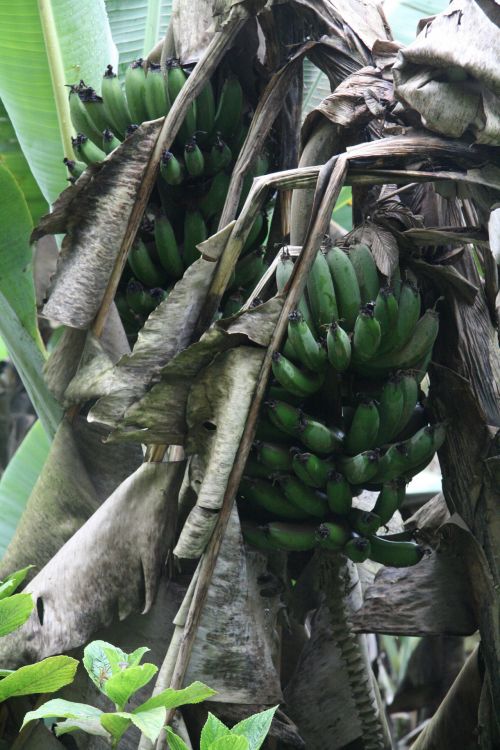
[(14, 580), (14, 611), (35, 63), (150, 722), (46, 676), (213, 729), (102, 660), (121, 686), (255, 728), (18, 480), (13, 158), (60, 708), (170, 698), (28, 361), (116, 724), (135, 657), (174, 741), (234, 742)]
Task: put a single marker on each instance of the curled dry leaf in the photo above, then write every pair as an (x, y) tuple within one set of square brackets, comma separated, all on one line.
[(236, 643), (79, 474), (111, 565), (94, 215), (382, 243)]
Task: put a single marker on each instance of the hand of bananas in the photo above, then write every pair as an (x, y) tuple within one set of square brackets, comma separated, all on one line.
[(194, 177), (343, 414)]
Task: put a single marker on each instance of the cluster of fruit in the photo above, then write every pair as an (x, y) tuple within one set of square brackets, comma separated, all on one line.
[(343, 413), (186, 204)]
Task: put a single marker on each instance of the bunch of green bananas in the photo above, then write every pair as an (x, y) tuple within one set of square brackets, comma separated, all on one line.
[(192, 186), (356, 351)]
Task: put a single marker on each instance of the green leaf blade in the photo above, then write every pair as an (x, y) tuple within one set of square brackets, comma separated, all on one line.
[(213, 729), (13, 581), (233, 742), (14, 611), (46, 676), (150, 722), (121, 686), (60, 708), (174, 741), (256, 727), (170, 698)]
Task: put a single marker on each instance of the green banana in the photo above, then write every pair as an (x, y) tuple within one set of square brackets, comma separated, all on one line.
[(338, 346), (389, 500), (361, 468), (421, 343), (279, 393), (75, 168), (338, 493), (321, 293), (366, 337), (283, 272), (140, 300), (318, 437), (393, 463), (267, 496), (284, 416), (156, 98), (87, 150), (396, 282), (219, 157), (366, 272), (171, 168), (205, 113), (391, 406), (357, 549), (254, 233), (298, 382), (386, 312), (80, 117), (422, 446), (195, 232), (292, 537), (363, 521), (249, 269), (109, 141), (256, 536), (143, 267), (408, 314), (309, 352), (114, 102), (346, 286), (229, 108), (213, 201), (135, 89), (254, 468), (273, 456), (332, 536), (418, 419), (132, 322), (167, 249), (310, 501), (94, 107), (268, 431), (395, 554), (193, 158), (310, 469), (409, 386), (176, 78), (364, 428), (233, 303), (288, 350)]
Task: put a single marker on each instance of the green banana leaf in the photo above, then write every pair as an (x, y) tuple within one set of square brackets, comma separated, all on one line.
[(136, 27), (316, 87), (404, 15), (73, 42), (18, 480), (13, 158)]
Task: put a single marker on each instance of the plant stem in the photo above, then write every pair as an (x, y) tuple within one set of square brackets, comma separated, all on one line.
[(56, 67)]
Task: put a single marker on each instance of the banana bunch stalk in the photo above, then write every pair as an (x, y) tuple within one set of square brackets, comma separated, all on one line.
[(193, 179), (362, 343)]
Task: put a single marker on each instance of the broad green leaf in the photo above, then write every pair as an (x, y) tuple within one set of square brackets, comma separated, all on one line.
[(60, 708), (174, 741), (316, 87), (46, 676), (13, 581), (28, 361), (136, 656), (116, 724), (255, 728), (90, 726), (234, 742), (13, 158), (170, 698), (5, 672), (150, 722), (14, 611), (121, 686), (135, 26), (19, 479), (16, 274), (37, 59), (102, 660), (404, 15), (212, 730)]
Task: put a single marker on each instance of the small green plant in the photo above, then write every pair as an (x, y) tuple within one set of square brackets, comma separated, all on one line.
[(45, 676), (119, 676)]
